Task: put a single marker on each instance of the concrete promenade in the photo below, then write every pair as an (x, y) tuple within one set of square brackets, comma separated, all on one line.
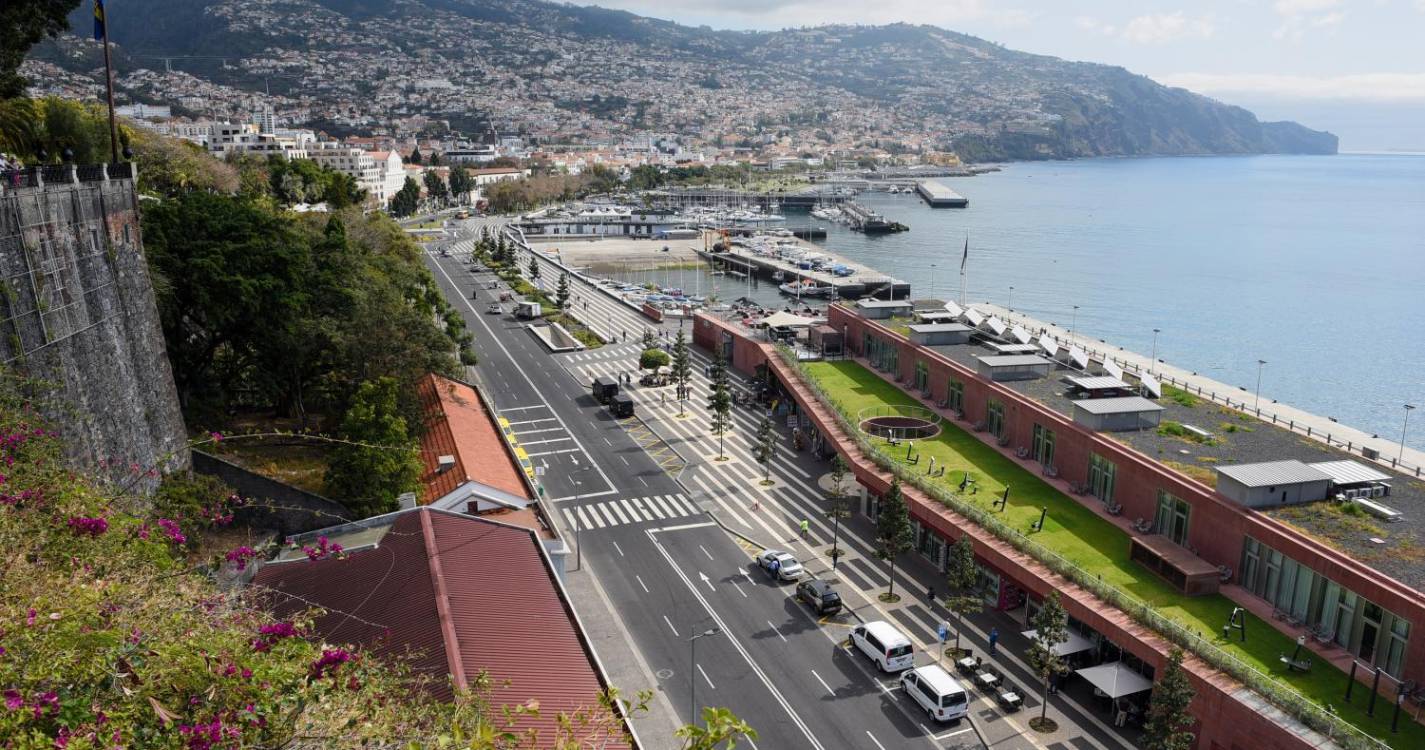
[(1410, 462)]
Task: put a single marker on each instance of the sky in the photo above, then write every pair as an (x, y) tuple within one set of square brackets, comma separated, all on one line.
[(1354, 67)]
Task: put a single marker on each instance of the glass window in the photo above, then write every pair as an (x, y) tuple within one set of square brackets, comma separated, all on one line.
[(922, 377), (1395, 649), (994, 418), (1172, 518), (956, 398), (1043, 445), (1346, 618), (1250, 559), (1101, 476)]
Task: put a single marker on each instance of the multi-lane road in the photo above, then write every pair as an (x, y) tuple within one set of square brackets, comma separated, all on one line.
[(669, 534)]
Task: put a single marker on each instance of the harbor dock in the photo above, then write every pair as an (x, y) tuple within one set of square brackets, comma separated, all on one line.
[(853, 282), (865, 220), (939, 196)]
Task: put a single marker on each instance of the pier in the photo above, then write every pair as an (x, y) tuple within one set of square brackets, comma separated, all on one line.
[(939, 196), (680, 198), (863, 281), (865, 220)]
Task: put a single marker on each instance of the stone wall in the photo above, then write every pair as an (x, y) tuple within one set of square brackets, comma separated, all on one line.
[(270, 504), (77, 311)]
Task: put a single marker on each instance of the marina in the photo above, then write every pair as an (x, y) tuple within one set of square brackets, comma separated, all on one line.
[(863, 219), (937, 195), (803, 270)]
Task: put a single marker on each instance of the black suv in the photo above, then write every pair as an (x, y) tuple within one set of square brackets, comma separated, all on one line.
[(819, 595)]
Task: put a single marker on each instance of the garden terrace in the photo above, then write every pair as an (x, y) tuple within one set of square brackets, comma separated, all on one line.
[(1095, 544)]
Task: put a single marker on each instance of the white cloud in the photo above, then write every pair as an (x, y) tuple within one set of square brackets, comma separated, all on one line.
[(1162, 27), (1330, 19), (1379, 87), (1298, 7)]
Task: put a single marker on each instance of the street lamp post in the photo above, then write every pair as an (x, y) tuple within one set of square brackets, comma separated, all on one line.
[(1073, 321), (1401, 456), (932, 281), (1011, 299), (693, 667), (1256, 399), (1154, 358)]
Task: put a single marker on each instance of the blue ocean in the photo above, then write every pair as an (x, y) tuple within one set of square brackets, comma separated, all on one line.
[(1315, 264)]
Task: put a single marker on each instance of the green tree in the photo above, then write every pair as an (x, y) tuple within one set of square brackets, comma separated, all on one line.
[(435, 159), (561, 293), (407, 199), (649, 340), (652, 359), (415, 157), (461, 184), (22, 25), (380, 460), (720, 404), (533, 268), (435, 187), (1169, 722), (764, 448), (838, 508), (720, 729), (894, 534), (1051, 626), (682, 369), (961, 575)]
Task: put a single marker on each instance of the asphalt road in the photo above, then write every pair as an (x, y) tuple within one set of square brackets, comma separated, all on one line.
[(771, 662)]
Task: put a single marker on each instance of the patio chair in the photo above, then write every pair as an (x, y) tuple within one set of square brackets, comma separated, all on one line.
[(1224, 573)]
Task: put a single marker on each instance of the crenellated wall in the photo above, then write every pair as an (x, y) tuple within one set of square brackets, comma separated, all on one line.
[(77, 311)]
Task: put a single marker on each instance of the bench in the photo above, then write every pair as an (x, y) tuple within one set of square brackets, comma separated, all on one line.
[(1295, 665)]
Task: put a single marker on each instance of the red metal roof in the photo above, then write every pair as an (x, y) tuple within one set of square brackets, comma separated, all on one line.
[(462, 595), (459, 425)]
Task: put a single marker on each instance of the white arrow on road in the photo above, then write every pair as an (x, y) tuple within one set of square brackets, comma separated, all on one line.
[(706, 580)]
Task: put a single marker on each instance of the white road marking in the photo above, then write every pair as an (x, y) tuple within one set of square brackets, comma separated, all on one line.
[(670, 626), (641, 583), (705, 677), (873, 739), (704, 577), (823, 683), (684, 526), (775, 630), (551, 440), (739, 589), (552, 453), (532, 421), (537, 431), (620, 549), (509, 408), (584, 495), (645, 481), (705, 551)]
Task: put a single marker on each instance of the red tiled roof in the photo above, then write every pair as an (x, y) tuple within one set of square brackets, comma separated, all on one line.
[(461, 595), (458, 424)]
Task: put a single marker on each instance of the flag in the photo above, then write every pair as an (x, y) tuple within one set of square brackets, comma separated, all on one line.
[(99, 31), (966, 256)]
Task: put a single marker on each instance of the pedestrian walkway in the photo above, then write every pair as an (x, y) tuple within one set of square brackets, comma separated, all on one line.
[(623, 511)]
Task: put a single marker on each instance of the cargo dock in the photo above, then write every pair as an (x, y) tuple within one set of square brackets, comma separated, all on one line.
[(848, 279), (939, 196)]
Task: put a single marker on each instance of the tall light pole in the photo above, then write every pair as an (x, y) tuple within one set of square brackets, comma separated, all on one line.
[(1258, 397), (693, 667), (1401, 456), (1154, 358), (1011, 299), (1074, 321), (932, 281)]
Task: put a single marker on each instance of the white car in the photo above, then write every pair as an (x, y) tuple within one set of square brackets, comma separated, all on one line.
[(780, 565)]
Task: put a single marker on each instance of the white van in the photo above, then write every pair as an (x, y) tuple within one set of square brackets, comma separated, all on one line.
[(885, 645), (937, 692)]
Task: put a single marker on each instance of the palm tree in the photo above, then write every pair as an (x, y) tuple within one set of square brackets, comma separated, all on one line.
[(19, 126)]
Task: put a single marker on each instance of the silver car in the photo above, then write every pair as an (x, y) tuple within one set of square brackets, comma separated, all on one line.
[(780, 565)]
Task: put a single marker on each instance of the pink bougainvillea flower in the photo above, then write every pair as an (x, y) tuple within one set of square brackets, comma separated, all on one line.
[(216, 436), (241, 556), (13, 700), (170, 528), (330, 661), (85, 526)]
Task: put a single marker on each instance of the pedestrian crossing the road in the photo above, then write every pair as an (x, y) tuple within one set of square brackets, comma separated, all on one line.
[(631, 510)]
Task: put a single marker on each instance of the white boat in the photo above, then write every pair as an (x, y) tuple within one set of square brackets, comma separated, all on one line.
[(804, 289)]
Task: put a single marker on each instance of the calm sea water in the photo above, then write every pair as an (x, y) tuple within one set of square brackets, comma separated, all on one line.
[(1315, 264)]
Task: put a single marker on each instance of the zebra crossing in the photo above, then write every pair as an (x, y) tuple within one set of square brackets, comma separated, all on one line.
[(607, 353), (624, 511)]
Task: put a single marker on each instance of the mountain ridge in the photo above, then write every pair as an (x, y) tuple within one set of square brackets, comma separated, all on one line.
[(584, 69)]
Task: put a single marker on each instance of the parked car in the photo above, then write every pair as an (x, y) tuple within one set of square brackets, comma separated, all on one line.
[(819, 595), (934, 690), (885, 645), (495, 309), (780, 565)]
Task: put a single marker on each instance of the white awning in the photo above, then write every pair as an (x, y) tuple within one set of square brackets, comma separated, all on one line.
[(1074, 645), (1116, 680), (788, 320)]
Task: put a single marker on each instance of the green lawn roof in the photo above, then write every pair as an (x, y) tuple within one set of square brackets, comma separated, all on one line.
[(1080, 535)]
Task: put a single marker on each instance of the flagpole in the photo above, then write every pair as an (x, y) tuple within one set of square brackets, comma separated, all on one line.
[(109, 88)]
